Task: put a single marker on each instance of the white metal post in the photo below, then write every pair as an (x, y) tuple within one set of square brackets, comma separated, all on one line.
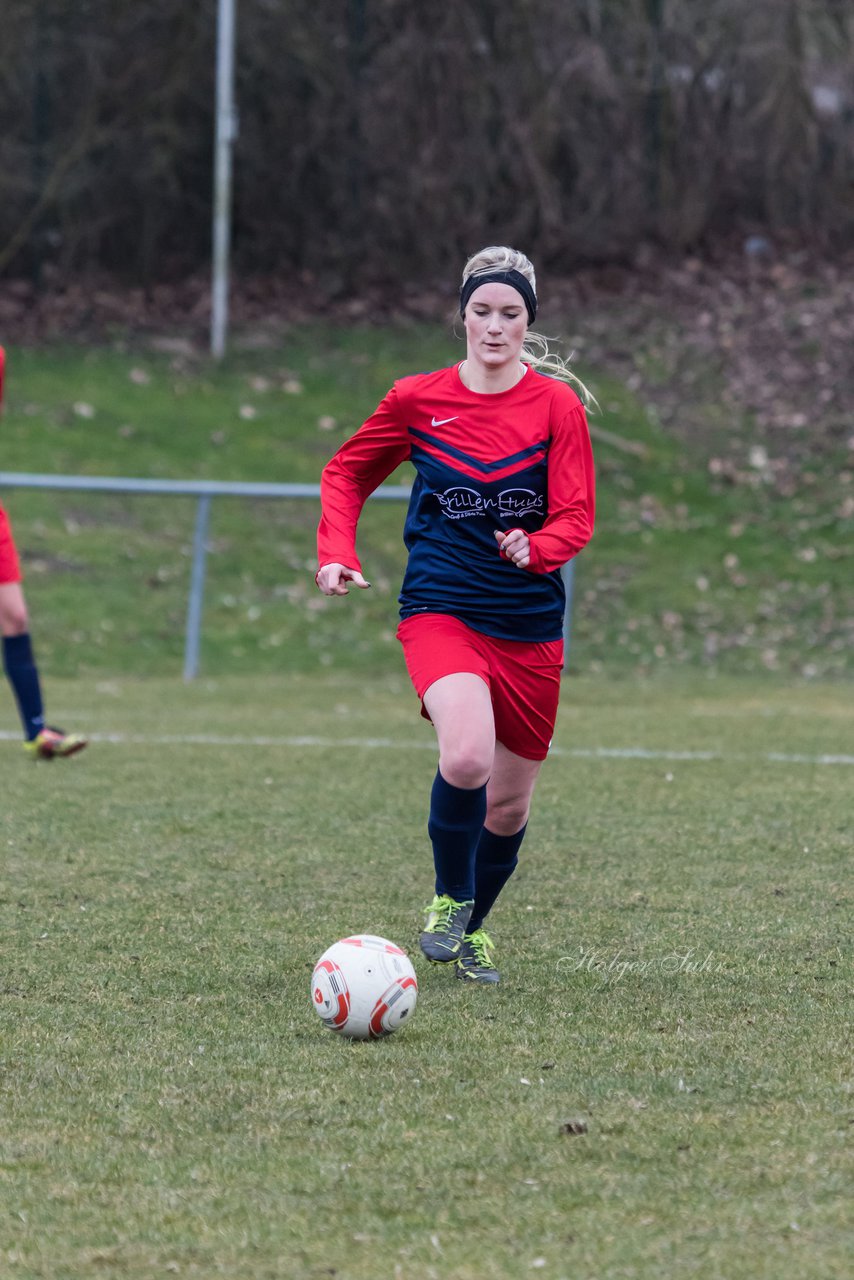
[(197, 589), (226, 132), (568, 575)]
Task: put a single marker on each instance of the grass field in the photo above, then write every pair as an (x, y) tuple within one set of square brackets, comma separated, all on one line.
[(688, 569), (660, 1087)]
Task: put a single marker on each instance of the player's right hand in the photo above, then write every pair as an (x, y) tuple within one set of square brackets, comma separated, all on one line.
[(332, 579)]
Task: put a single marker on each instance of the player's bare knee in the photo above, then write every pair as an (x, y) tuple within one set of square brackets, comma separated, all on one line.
[(465, 765), (506, 815), (13, 620)]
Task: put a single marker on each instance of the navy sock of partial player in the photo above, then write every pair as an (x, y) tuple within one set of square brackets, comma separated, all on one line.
[(455, 823), (495, 862), (23, 676)]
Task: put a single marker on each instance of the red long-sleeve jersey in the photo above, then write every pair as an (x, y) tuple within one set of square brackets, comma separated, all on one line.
[(518, 459)]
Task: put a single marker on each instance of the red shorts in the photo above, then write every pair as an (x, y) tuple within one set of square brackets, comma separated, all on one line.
[(10, 569), (523, 678)]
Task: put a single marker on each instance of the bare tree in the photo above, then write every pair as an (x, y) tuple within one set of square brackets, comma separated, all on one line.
[(379, 137)]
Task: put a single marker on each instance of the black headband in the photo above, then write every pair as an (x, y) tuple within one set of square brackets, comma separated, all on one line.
[(514, 278)]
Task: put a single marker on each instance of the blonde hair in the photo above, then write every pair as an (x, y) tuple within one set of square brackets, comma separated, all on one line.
[(535, 350)]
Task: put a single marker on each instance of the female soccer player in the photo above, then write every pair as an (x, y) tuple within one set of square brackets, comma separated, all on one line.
[(41, 741), (503, 497)]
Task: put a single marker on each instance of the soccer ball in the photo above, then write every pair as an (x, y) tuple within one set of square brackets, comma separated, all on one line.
[(364, 987)]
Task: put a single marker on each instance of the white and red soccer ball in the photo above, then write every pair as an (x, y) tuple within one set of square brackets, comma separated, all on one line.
[(364, 987)]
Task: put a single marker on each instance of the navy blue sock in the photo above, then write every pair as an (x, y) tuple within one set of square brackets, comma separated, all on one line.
[(24, 678), (494, 865), (455, 824)]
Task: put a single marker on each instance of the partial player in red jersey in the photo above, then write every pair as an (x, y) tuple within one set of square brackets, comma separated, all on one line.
[(41, 741), (503, 497)]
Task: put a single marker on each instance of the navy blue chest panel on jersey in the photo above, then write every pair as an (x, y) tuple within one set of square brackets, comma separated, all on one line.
[(447, 492), (454, 567)]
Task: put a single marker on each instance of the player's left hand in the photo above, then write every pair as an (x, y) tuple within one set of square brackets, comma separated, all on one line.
[(514, 545)]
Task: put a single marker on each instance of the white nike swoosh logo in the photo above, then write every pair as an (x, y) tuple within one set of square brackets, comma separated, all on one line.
[(440, 422)]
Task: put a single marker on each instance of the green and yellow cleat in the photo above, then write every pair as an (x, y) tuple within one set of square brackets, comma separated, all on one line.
[(446, 923), (474, 963), (54, 744)]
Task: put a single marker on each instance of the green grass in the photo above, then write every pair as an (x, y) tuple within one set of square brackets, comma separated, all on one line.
[(676, 959), (676, 944), (686, 569)]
